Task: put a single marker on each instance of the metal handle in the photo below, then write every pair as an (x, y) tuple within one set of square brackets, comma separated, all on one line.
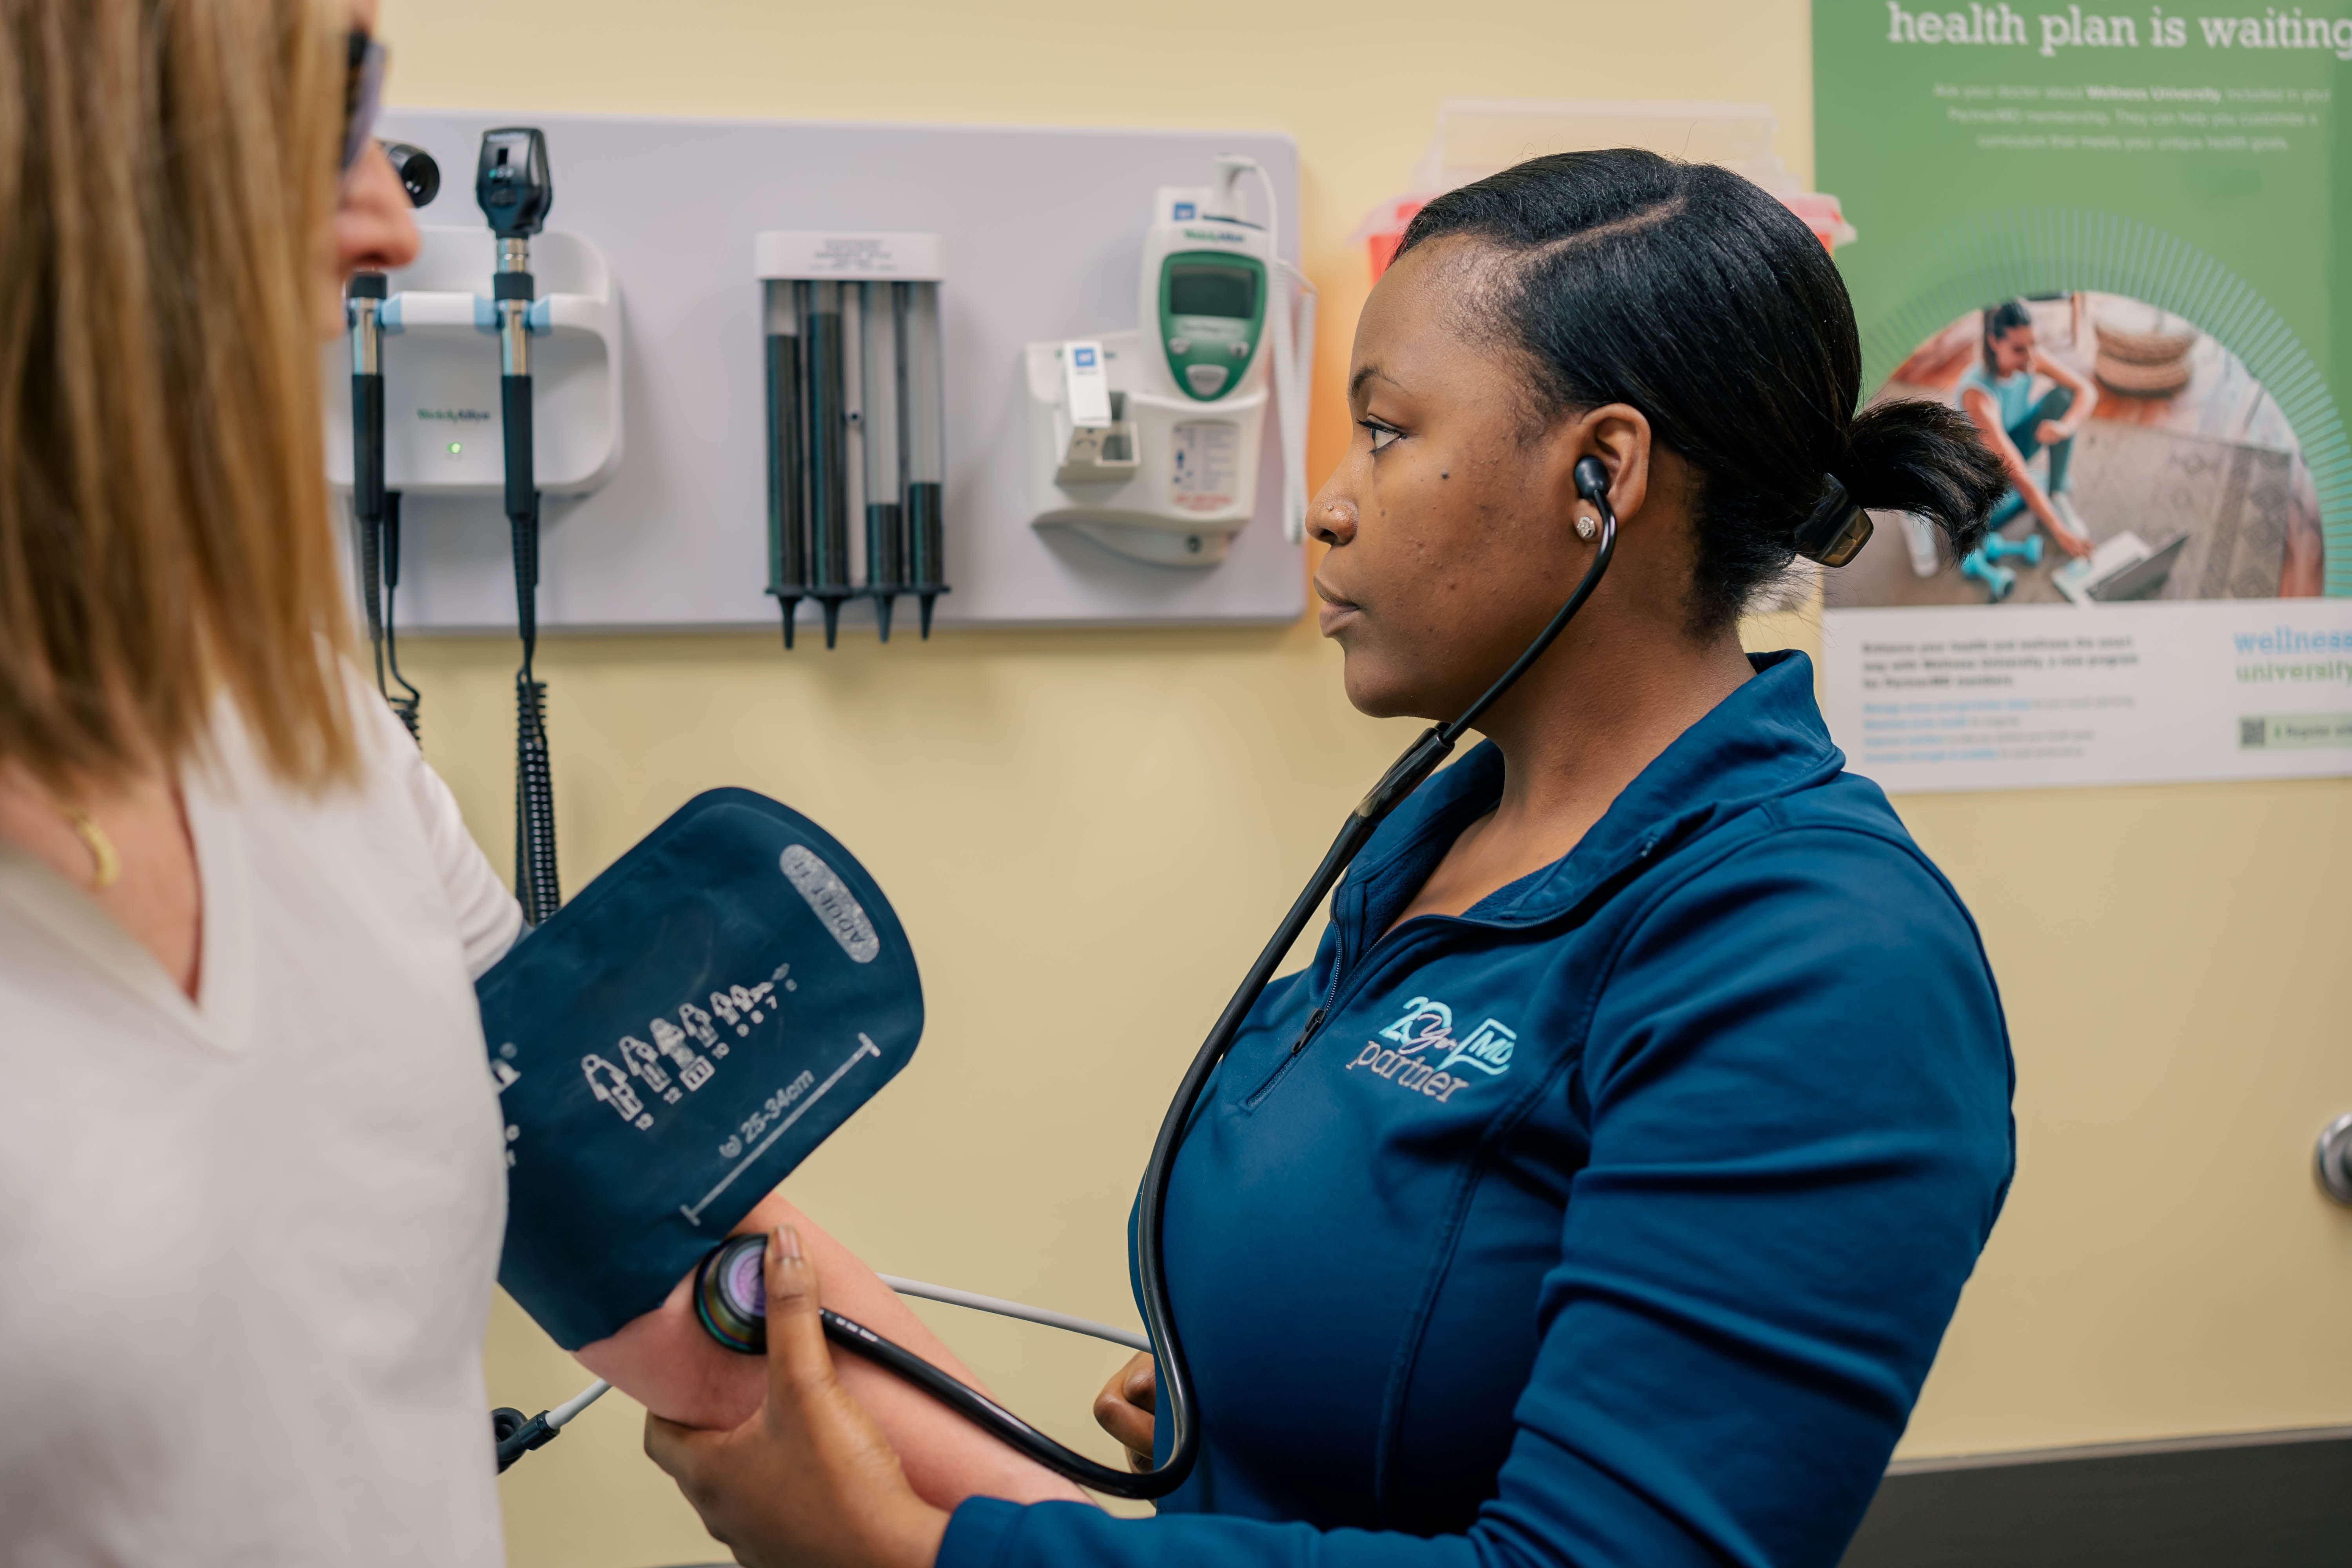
[(2332, 1160)]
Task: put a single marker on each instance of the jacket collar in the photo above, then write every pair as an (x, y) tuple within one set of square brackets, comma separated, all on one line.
[(1765, 741)]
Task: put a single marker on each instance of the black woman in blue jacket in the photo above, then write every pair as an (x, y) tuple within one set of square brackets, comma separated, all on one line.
[(1600, 1194)]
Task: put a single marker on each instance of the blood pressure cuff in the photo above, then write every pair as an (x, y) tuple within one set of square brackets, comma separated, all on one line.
[(668, 1046)]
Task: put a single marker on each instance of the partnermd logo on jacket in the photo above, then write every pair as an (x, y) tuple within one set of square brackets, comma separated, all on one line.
[(1425, 1055)]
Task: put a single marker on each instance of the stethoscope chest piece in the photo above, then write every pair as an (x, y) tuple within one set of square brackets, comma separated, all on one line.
[(730, 1294)]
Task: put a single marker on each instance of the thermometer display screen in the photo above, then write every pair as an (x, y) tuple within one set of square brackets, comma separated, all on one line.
[(1198, 290)]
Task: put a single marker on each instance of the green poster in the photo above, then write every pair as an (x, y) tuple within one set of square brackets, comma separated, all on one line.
[(2112, 238)]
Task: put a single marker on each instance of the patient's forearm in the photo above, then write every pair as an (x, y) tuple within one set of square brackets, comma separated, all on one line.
[(667, 1361)]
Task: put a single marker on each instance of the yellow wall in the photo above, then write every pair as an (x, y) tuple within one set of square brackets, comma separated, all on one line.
[(1088, 833)]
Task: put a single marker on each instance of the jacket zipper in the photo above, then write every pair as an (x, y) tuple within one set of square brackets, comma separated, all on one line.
[(1282, 1067), (1315, 1022)]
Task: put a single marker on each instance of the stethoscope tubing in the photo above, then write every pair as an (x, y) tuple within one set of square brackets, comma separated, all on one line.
[(1174, 1398)]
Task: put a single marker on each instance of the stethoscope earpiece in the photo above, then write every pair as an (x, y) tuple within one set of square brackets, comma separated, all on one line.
[(1592, 480), (1592, 483)]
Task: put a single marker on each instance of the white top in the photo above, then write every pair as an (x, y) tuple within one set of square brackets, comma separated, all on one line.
[(246, 1244)]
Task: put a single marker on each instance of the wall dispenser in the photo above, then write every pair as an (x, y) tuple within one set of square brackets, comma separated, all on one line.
[(1147, 441)]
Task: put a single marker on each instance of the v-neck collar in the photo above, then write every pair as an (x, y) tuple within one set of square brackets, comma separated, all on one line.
[(221, 1014), (1765, 740)]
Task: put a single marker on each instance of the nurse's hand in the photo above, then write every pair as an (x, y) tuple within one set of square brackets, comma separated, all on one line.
[(666, 1361), (809, 1478), (1124, 1408)]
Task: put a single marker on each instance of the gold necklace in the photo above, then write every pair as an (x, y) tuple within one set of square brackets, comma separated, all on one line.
[(106, 866)]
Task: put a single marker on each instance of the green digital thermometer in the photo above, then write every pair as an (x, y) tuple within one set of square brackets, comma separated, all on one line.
[(1212, 315)]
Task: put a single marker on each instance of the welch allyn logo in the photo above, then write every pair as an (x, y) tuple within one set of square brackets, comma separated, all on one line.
[(457, 415)]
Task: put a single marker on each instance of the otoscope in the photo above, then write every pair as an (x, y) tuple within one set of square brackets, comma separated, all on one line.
[(512, 185), (728, 1292), (376, 510)]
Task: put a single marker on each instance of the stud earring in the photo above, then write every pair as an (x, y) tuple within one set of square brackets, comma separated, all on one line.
[(1586, 528)]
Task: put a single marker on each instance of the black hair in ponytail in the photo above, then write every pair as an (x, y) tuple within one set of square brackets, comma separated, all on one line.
[(1689, 293)]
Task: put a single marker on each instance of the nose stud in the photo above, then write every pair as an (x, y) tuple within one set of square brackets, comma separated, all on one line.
[(1586, 528)]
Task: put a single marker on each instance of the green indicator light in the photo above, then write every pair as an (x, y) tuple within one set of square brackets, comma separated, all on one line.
[(455, 447)]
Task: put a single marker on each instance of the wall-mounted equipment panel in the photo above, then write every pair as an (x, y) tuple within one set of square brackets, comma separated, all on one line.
[(1040, 237)]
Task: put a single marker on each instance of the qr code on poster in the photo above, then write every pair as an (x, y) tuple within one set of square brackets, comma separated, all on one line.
[(2253, 732)]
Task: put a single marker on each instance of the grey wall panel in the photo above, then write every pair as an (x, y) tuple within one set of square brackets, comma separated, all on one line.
[(1043, 232)]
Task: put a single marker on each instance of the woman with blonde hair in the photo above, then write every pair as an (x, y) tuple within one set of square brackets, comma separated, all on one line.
[(253, 1164), (253, 1161)]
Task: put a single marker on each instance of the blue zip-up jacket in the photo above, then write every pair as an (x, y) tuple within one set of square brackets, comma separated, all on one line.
[(1614, 1223)]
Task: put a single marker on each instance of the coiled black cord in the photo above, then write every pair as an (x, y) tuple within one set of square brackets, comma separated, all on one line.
[(537, 885)]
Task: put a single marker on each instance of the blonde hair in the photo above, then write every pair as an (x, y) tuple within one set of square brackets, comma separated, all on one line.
[(167, 170)]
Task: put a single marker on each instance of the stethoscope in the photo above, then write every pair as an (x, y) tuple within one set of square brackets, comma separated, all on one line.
[(729, 1293)]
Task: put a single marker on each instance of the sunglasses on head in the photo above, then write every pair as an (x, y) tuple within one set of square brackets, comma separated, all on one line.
[(362, 94)]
